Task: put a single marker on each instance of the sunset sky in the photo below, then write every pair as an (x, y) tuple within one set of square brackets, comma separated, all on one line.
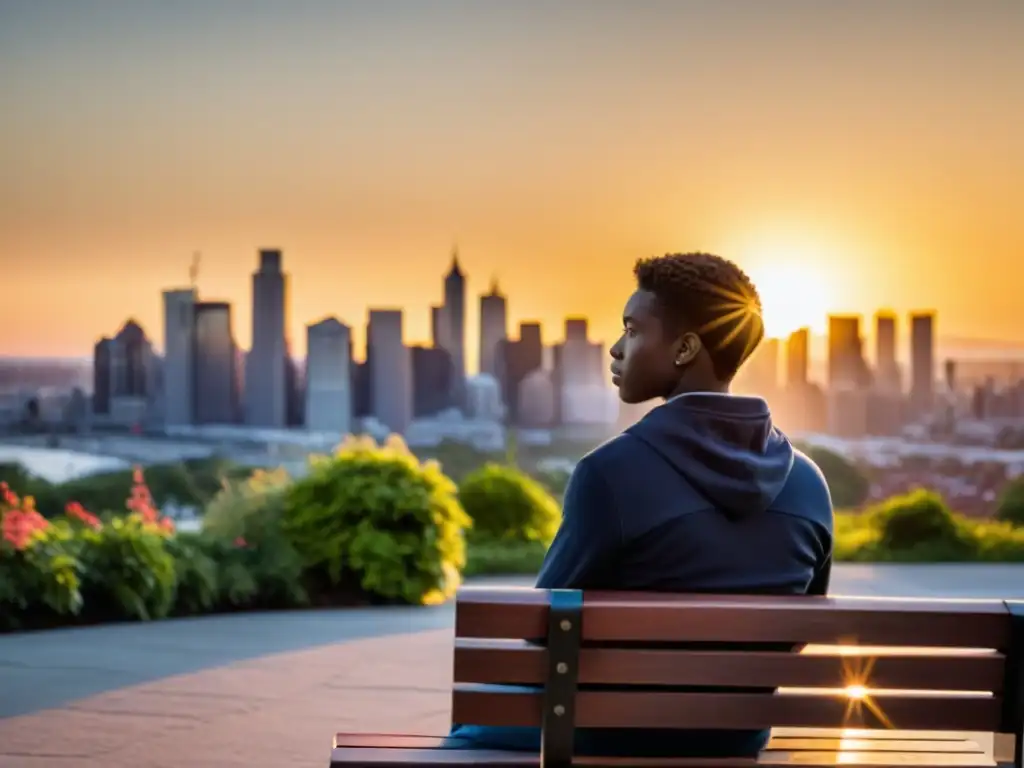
[(849, 155)]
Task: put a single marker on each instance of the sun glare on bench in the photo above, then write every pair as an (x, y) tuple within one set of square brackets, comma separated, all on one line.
[(856, 691)]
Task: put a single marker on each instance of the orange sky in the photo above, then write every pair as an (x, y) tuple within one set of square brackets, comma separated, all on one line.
[(869, 153)]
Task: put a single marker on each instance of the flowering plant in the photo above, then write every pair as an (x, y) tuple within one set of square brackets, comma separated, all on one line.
[(39, 573)]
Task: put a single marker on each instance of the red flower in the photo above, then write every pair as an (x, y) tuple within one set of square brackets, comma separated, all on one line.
[(240, 542), (19, 526), (77, 511), (8, 497)]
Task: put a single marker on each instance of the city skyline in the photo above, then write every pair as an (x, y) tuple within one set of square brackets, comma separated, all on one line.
[(858, 155)]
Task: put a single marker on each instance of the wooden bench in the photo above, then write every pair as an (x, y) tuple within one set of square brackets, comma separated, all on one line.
[(924, 667)]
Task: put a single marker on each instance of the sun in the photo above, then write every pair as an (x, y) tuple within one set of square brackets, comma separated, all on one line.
[(792, 297)]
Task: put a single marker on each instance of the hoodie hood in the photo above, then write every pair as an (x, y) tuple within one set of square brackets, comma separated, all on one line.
[(724, 445)]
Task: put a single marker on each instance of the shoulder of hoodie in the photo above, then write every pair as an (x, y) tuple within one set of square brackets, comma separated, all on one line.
[(806, 493)]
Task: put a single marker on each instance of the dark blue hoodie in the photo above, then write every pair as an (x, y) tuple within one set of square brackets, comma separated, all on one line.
[(701, 495)]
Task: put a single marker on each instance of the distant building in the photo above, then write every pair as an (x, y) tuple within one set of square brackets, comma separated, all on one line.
[(266, 395), (453, 317), (134, 377), (535, 400), (390, 369), (520, 357), (101, 385), (179, 351), (215, 392), (432, 380), (483, 398), (922, 360), (798, 358), (578, 377), (328, 377), (493, 329), (130, 362), (846, 366), (887, 370)]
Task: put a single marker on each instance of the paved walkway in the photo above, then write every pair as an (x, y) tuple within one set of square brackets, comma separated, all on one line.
[(271, 689)]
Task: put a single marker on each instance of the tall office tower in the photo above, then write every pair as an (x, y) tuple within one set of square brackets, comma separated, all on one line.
[(179, 343), (519, 358), (493, 328), (101, 375), (439, 327), (887, 370), (454, 315), (215, 398), (328, 377), (846, 367), (797, 358), (390, 371), (266, 397), (922, 359)]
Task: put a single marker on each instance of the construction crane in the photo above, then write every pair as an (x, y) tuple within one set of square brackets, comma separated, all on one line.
[(193, 270)]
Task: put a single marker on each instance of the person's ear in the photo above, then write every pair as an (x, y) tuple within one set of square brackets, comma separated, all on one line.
[(687, 349)]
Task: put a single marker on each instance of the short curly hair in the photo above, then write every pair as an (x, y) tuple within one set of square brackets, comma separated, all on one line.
[(713, 297)]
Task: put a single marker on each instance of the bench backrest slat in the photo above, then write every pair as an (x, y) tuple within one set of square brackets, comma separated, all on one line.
[(494, 705), (519, 662), (693, 618)]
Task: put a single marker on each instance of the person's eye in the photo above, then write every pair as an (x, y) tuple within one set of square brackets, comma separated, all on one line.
[(629, 332)]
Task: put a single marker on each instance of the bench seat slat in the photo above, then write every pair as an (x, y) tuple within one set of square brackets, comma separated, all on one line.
[(385, 757), (519, 662), (496, 705), (808, 740), (653, 617)]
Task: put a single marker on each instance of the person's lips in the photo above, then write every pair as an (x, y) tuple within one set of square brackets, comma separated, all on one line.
[(616, 377)]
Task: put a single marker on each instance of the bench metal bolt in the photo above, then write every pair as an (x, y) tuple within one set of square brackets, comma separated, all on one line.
[(566, 625), (559, 710), (562, 668)]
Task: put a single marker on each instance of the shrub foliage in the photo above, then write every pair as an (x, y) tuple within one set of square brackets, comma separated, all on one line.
[(375, 520)]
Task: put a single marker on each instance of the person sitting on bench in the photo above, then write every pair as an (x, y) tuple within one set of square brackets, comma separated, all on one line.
[(703, 494)]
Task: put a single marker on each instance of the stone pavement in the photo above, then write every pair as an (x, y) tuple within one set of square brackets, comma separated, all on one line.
[(271, 689)]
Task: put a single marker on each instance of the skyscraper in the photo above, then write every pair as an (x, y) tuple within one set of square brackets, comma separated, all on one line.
[(179, 340), (266, 387), (454, 316), (886, 367), (328, 377), (846, 367), (215, 396), (797, 358), (101, 375), (493, 328), (922, 359), (389, 364), (519, 358)]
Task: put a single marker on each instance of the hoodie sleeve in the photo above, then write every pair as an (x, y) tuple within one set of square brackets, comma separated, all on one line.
[(588, 537)]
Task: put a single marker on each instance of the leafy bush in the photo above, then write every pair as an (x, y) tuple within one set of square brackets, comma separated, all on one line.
[(507, 505), (1010, 507), (374, 520), (848, 485), (248, 514), (197, 587), (128, 571), (919, 518)]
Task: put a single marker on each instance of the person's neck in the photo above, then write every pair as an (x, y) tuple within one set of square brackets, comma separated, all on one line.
[(689, 388)]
